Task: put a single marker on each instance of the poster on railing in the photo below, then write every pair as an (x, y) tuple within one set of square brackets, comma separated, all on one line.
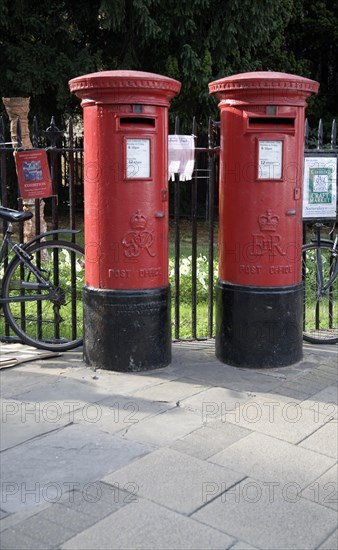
[(33, 174), (320, 187)]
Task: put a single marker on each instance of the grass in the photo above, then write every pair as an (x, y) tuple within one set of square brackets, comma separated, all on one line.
[(186, 239), (186, 321), (185, 318), (321, 314), (185, 313), (42, 316)]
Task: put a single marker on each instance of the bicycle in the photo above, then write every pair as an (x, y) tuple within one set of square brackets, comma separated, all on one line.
[(320, 276), (41, 287)]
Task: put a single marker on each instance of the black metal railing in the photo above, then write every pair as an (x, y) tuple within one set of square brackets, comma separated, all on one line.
[(319, 144), (202, 213), (193, 209), (63, 209), (65, 155)]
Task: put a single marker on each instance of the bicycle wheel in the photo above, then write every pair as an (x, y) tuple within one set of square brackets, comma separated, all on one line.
[(320, 307), (47, 318)]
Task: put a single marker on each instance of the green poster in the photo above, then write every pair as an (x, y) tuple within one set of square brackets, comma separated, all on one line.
[(320, 185)]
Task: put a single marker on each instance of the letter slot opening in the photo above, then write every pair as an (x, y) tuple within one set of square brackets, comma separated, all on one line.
[(272, 121), (138, 121)]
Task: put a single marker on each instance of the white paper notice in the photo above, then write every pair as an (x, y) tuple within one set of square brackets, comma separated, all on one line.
[(138, 158), (181, 156), (270, 160)]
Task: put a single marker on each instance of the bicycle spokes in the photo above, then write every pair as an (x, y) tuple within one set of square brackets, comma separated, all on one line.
[(44, 303), (320, 294)]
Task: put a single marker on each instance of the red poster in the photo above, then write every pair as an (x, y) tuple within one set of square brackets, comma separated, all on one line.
[(33, 174)]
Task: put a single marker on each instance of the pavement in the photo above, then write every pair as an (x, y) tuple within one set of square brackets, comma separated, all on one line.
[(197, 455)]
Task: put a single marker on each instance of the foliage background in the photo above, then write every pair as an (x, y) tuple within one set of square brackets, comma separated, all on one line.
[(44, 44)]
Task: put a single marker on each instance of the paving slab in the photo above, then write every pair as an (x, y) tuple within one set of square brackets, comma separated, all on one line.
[(170, 391), (324, 440), (126, 383), (16, 518), (41, 532), (163, 429), (65, 389), (207, 441), (321, 352), (328, 366), (120, 412), (196, 481), (61, 521), (279, 416), (214, 403), (59, 515), (12, 540), (324, 489), (270, 523), (308, 383), (324, 402), (331, 542), (271, 460), (243, 546), (106, 382), (20, 379), (293, 393), (153, 527), (57, 462), (22, 421), (187, 352), (323, 373), (97, 499), (114, 423), (219, 374), (329, 369)]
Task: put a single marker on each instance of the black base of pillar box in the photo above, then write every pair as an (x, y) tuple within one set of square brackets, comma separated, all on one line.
[(259, 326), (127, 330)]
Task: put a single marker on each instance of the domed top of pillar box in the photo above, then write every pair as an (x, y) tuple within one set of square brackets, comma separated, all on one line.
[(125, 87), (264, 88)]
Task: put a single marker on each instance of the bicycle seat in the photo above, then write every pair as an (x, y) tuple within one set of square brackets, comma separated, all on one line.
[(14, 215)]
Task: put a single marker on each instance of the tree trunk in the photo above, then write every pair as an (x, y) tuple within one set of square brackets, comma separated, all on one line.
[(19, 107)]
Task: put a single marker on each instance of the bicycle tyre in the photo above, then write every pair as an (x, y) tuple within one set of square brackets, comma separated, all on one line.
[(50, 324), (320, 312)]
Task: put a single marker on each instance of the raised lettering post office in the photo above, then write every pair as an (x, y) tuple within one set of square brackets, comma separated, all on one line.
[(259, 290), (127, 293)]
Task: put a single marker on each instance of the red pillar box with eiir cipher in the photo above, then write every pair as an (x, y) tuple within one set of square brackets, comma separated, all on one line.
[(127, 293), (259, 292)]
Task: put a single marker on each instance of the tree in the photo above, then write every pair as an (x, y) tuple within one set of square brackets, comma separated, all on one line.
[(41, 47), (194, 41), (312, 36), (45, 44)]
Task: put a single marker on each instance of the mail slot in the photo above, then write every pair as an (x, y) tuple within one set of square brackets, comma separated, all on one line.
[(259, 289), (138, 121), (271, 122)]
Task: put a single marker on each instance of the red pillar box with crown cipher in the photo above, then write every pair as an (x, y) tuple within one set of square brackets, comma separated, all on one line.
[(127, 294), (259, 292)]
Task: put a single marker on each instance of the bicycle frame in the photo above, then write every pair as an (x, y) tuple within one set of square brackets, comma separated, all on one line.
[(335, 271), (321, 287), (22, 251)]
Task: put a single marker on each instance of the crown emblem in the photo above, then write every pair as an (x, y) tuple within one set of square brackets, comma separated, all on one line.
[(138, 222), (268, 221)]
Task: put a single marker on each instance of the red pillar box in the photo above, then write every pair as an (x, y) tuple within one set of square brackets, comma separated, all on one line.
[(127, 293), (259, 290)]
